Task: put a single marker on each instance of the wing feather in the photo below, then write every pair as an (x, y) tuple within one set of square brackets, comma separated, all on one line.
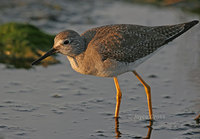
[(128, 43)]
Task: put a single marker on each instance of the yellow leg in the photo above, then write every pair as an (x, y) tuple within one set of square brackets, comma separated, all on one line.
[(148, 93), (118, 97)]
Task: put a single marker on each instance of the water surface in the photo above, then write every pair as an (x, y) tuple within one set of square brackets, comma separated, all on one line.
[(57, 102)]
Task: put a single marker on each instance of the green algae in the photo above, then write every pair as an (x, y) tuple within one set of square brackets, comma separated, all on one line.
[(20, 44)]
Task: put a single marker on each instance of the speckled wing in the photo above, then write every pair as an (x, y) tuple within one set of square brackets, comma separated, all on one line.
[(128, 43)]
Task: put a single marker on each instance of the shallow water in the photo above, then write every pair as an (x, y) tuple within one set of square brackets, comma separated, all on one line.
[(56, 102)]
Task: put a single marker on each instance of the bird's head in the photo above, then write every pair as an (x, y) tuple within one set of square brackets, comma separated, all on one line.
[(68, 43)]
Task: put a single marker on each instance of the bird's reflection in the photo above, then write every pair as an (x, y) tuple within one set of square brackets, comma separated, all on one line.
[(149, 130), (118, 133)]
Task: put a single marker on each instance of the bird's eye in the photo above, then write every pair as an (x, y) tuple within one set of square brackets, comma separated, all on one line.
[(66, 42)]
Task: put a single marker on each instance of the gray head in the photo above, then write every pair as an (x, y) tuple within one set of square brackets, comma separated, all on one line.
[(68, 43)]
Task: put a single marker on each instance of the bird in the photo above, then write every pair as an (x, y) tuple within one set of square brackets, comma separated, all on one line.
[(111, 50)]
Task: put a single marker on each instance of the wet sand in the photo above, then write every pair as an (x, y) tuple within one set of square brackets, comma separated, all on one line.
[(57, 102)]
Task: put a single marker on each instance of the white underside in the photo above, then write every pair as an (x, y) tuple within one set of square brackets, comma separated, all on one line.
[(140, 61), (123, 67), (115, 69)]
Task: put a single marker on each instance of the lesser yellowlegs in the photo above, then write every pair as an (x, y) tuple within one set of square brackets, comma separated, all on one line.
[(111, 50)]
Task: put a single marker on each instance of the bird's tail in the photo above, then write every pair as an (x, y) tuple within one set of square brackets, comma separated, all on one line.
[(177, 30)]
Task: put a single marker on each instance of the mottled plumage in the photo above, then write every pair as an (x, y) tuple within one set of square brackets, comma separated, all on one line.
[(111, 50), (128, 43)]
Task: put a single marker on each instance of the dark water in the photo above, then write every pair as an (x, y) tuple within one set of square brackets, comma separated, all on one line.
[(56, 102)]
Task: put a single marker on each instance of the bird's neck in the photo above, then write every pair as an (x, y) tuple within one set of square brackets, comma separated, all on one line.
[(76, 61)]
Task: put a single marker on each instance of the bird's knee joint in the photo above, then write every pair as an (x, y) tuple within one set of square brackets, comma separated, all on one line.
[(119, 95), (147, 87)]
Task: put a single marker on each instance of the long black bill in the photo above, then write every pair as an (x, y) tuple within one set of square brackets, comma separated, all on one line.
[(49, 53)]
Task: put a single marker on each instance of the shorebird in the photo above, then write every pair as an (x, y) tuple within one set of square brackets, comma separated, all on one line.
[(111, 50)]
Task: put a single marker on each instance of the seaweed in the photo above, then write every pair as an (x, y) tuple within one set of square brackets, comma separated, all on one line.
[(21, 43)]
